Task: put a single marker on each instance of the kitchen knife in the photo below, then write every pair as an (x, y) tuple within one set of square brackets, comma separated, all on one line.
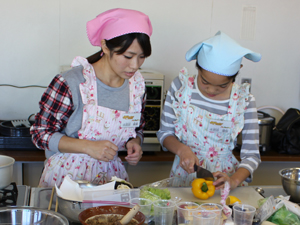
[(203, 173)]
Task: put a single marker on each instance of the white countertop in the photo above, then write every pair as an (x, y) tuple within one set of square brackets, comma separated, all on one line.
[(274, 190), (247, 195)]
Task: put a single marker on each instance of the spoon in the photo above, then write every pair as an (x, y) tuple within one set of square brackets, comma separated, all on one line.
[(85, 183), (98, 180), (260, 191), (127, 218)]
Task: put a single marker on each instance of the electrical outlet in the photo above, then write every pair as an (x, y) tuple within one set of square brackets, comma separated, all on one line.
[(247, 80)]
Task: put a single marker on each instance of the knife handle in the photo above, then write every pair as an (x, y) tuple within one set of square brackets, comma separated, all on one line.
[(195, 168)]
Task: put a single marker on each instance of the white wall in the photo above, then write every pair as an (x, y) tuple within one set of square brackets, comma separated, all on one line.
[(37, 37)]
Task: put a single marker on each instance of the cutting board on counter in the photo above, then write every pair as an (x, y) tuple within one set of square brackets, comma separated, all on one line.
[(247, 195)]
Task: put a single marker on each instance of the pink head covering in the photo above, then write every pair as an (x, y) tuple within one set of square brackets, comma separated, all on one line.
[(117, 22)]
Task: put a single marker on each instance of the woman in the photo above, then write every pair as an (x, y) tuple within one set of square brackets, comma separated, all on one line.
[(203, 115), (92, 111)]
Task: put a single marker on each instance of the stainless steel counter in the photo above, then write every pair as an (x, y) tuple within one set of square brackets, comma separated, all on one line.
[(23, 195)]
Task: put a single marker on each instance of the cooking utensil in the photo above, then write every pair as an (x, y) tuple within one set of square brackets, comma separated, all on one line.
[(260, 191), (203, 173), (85, 183), (19, 123), (71, 209), (6, 170), (100, 179), (290, 179), (51, 199), (132, 212), (30, 215), (266, 124), (109, 209)]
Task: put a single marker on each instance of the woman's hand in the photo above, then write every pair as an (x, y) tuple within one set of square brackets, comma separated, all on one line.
[(134, 151), (102, 150), (187, 159)]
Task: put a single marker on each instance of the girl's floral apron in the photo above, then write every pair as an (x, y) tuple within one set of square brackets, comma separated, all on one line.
[(193, 128), (98, 123)]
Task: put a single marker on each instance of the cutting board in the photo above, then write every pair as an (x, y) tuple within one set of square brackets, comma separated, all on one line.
[(247, 195)]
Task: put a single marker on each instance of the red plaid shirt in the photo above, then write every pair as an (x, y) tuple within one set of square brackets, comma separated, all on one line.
[(56, 107)]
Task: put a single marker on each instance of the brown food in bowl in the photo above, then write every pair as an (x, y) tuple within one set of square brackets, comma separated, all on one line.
[(108, 220), (110, 210)]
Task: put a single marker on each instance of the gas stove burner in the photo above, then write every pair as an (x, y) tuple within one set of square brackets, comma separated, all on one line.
[(9, 195)]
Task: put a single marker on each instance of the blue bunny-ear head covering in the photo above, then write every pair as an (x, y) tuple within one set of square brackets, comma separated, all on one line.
[(221, 54)]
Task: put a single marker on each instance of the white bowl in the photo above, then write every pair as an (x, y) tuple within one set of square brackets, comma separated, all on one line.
[(6, 170)]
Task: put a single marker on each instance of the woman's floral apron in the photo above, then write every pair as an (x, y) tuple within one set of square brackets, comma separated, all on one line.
[(98, 123), (203, 133)]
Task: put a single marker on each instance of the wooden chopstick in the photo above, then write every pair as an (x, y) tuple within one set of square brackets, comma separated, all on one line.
[(51, 198), (56, 204)]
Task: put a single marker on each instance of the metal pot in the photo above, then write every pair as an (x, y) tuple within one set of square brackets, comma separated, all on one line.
[(6, 170), (71, 209), (266, 124), (30, 215)]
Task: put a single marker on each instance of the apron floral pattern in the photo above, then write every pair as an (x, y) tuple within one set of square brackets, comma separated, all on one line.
[(213, 148), (98, 123)]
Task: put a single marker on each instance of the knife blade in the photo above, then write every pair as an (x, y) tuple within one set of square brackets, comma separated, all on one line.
[(203, 173)]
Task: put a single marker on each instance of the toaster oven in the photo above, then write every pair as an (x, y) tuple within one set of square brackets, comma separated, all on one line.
[(154, 82)]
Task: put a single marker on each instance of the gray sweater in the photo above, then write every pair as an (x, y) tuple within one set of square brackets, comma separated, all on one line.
[(114, 98)]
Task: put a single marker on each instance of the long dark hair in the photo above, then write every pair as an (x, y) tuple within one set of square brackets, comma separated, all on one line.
[(123, 42), (229, 77)]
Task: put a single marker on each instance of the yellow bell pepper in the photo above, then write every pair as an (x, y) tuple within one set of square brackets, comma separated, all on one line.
[(202, 188)]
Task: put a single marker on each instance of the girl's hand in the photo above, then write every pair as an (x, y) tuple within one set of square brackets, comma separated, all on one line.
[(235, 180), (187, 159), (102, 150), (134, 151), (221, 179)]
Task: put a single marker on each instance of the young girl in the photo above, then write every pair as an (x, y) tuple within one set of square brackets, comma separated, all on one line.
[(92, 111), (203, 114)]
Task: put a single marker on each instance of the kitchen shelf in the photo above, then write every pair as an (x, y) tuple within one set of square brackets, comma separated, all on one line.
[(35, 155)]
